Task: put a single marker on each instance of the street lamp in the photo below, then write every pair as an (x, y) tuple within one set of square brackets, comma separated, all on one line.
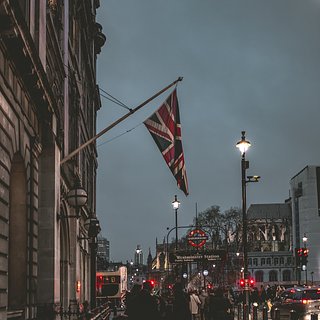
[(175, 206), (243, 145)]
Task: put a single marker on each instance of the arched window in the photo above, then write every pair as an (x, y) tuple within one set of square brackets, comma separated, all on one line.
[(259, 276), (286, 275), (273, 275)]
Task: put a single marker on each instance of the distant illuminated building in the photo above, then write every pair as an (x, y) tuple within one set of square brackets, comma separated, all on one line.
[(103, 249), (138, 256)]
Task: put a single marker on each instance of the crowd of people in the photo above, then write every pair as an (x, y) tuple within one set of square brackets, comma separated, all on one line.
[(177, 304)]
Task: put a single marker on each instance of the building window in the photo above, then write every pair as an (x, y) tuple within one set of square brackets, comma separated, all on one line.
[(276, 261), (273, 275), (249, 261), (268, 261), (289, 261), (263, 261), (281, 260), (255, 261), (286, 275), (259, 276)]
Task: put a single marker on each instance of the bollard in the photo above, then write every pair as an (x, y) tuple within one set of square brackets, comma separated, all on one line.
[(245, 312), (239, 311), (254, 311), (265, 313), (314, 316), (277, 314), (293, 315)]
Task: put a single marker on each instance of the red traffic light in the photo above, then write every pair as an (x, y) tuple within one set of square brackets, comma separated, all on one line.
[(151, 283), (242, 283), (251, 282), (300, 252)]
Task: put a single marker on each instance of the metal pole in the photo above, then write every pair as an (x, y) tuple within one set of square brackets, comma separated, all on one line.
[(93, 267), (306, 270), (176, 214), (131, 111), (244, 236)]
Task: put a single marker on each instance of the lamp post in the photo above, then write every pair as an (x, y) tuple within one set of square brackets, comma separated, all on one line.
[(93, 228), (175, 206), (304, 240), (243, 145)]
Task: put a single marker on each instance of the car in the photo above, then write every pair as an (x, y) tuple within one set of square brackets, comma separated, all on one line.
[(303, 301)]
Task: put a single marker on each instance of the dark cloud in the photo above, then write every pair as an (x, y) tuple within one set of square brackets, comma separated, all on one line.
[(247, 65)]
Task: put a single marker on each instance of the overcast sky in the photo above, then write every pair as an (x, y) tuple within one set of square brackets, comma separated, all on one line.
[(247, 65)]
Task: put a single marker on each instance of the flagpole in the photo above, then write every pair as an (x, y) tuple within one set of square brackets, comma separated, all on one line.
[(132, 111)]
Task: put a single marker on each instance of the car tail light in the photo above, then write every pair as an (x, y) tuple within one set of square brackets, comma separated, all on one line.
[(305, 301)]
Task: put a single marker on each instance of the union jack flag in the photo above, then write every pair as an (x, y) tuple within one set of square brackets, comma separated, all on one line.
[(165, 128)]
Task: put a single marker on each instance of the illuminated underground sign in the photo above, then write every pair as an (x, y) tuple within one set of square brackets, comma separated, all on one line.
[(197, 238)]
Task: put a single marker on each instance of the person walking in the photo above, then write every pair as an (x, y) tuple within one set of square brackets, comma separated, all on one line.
[(144, 304), (194, 304), (219, 306), (203, 297), (180, 304)]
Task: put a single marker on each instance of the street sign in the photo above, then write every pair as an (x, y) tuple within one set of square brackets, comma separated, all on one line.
[(197, 238), (193, 256)]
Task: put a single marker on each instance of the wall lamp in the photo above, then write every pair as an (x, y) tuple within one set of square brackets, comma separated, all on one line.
[(93, 228), (77, 197)]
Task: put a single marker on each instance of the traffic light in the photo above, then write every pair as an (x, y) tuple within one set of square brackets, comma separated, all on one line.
[(252, 282), (299, 255), (242, 283), (304, 258), (151, 283)]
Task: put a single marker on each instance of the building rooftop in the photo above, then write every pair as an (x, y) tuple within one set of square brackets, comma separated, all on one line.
[(269, 211)]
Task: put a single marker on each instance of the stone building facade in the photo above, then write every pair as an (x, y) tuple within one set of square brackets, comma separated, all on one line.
[(270, 254), (305, 202), (48, 106)]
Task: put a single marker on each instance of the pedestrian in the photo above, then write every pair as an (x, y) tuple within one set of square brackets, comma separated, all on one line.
[(130, 300), (219, 306), (144, 304), (194, 304), (203, 296), (180, 303)]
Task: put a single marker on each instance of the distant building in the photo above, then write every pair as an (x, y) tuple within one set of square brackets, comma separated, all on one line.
[(103, 254), (305, 200), (138, 256), (270, 254), (103, 249)]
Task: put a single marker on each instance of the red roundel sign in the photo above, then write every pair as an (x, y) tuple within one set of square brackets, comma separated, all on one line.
[(197, 238)]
